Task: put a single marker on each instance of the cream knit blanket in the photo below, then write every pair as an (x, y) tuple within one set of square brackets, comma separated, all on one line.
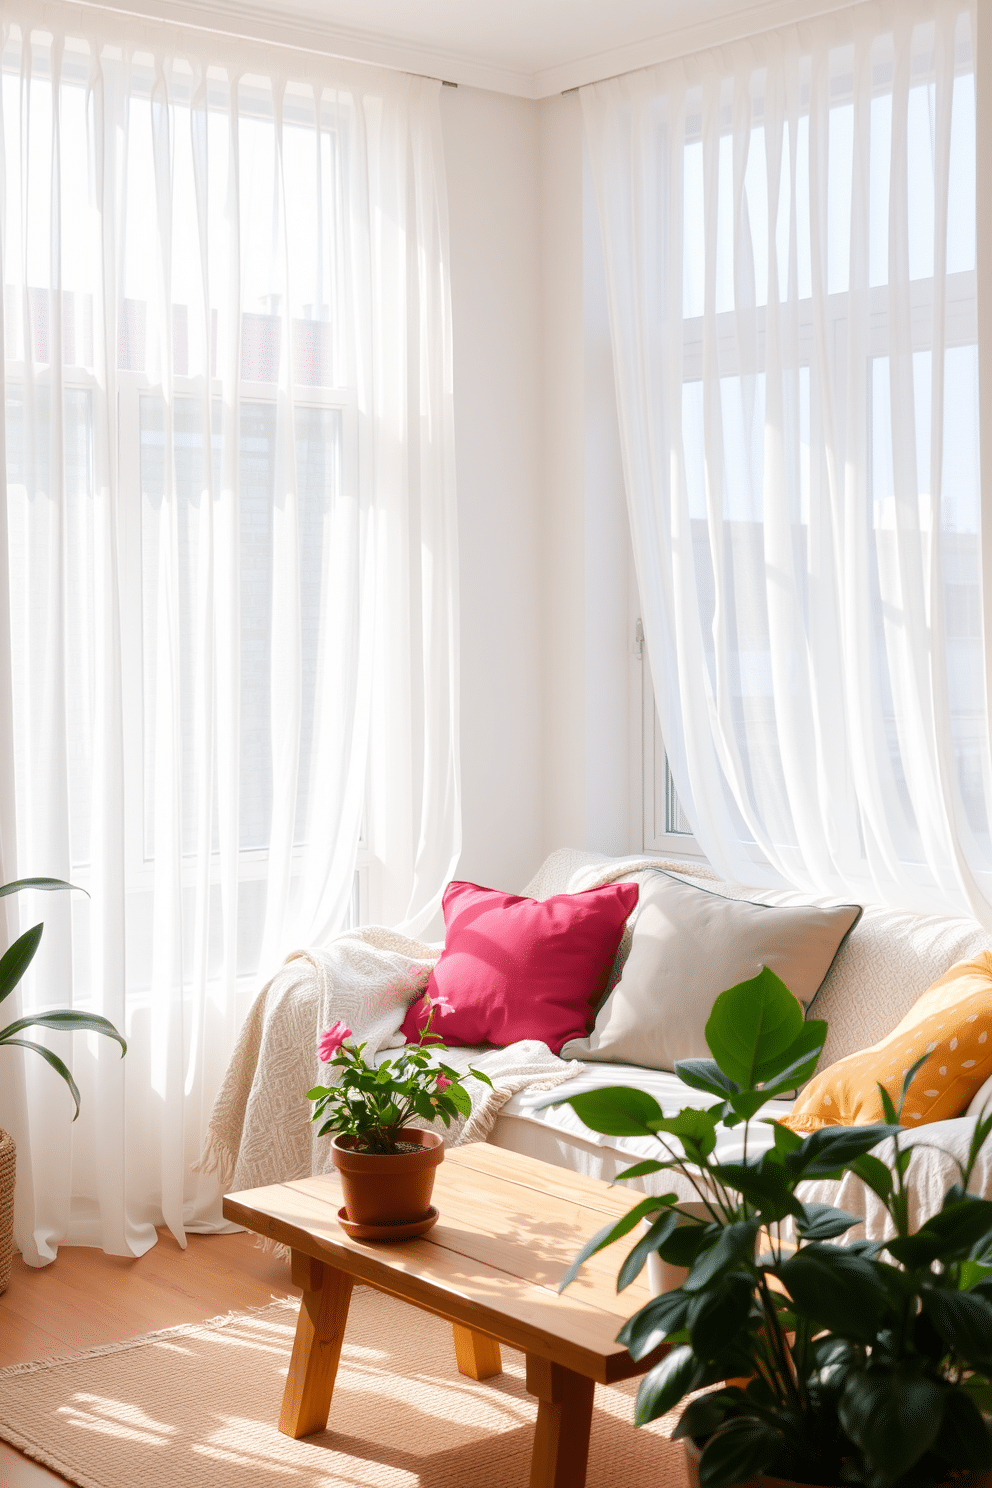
[(260, 1130)]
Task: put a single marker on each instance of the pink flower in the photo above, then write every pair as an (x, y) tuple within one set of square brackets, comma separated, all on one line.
[(330, 1042), (442, 1084), (441, 1003)]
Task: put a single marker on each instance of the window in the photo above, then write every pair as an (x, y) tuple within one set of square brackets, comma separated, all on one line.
[(790, 235)]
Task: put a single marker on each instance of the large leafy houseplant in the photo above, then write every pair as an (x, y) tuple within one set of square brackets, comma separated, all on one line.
[(14, 963), (861, 1363)]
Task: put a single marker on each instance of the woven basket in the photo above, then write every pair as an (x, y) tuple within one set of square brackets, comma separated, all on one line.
[(7, 1165)]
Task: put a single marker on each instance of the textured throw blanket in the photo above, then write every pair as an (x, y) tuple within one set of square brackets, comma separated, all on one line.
[(260, 1130)]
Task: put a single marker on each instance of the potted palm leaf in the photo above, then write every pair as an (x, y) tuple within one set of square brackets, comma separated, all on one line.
[(13, 964), (866, 1363)]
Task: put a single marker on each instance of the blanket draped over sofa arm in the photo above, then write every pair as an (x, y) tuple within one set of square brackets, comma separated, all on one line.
[(260, 1129)]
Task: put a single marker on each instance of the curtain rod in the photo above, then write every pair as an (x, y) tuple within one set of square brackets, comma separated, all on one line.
[(254, 39), (729, 38)]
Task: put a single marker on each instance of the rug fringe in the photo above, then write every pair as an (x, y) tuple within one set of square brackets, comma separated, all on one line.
[(180, 1330)]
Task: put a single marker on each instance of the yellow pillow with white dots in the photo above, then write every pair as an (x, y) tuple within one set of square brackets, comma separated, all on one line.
[(952, 1022)]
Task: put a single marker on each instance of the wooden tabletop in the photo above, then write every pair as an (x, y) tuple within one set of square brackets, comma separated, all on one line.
[(509, 1228)]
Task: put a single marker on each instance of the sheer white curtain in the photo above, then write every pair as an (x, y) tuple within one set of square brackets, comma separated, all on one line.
[(230, 665), (789, 227)]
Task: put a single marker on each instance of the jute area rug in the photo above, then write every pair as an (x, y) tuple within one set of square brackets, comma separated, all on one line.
[(198, 1405)]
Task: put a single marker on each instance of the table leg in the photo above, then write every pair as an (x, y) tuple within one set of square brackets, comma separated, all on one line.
[(317, 1346), (478, 1355), (564, 1416)]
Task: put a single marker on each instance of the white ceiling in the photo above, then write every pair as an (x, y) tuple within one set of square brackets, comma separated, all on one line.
[(532, 48)]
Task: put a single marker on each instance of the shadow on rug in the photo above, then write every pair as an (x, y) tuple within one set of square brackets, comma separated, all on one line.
[(198, 1405)]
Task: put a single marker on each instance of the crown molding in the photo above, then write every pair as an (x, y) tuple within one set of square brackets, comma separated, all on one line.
[(681, 41), (305, 33)]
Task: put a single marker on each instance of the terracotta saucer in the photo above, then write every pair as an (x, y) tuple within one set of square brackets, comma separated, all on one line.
[(393, 1231)]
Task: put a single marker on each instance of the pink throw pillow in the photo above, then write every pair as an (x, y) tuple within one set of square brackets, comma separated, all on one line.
[(516, 968)]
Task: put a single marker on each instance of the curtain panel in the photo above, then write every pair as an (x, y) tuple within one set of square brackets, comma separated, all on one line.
[(229, 659), (789, 228)]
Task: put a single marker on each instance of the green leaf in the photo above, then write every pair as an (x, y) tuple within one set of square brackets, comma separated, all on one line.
[(962, 1319), (642, 1170), (717, 1314), (972, 1273), (705, 1074), (888, 1106), (909, 1077), (608, 1234), (741, 1449), (833, 1147), (803, 1056), (66, 1021), (752, 1027), (460, 1099), (685, 1243), (893, 1415), (947, 1236), (875, 1174), (17, 958), (658, 1318), (633, 1264), (979, 1392), (707, 1413), (840, 1291), (786, 1140), (478, 1074), (676, 1375), (764, 1182), (46, 885), (57, 1065), (963, 1440), (734, 1242), (617, 1111), (824, 1222), (695, 1129), (747, 1102)]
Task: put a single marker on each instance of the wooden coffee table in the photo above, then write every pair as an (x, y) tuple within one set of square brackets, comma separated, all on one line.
[(509, 1228)]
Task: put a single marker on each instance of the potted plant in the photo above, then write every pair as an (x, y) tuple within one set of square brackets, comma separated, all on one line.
[(866, 1363), (387, 1165), (13, 964)]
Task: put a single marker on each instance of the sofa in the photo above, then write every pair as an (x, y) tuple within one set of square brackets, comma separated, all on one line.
[(260, 1130), (887, 962)]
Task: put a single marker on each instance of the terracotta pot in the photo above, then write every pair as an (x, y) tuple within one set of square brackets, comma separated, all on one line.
[(384, 1187)]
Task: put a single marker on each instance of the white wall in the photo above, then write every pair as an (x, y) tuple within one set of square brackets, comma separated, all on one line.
[(547, 754), (590, 768), (492, 168)]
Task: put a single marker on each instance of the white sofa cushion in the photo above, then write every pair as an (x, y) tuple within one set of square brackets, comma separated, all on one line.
[(688, 945)]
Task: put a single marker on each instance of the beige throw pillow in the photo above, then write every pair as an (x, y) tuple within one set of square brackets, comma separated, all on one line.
[(688, 946)]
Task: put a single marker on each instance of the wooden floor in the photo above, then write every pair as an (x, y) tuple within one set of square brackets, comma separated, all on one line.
[(86, 1298)]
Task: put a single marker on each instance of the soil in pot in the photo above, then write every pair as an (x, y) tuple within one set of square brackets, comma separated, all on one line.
[(388, 1187)]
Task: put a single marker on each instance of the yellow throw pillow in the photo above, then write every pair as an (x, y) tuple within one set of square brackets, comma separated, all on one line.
[(952, 1022)]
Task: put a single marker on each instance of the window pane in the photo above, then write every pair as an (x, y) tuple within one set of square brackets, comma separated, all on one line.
[(258, 429), (172, 579), (45, 533)]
